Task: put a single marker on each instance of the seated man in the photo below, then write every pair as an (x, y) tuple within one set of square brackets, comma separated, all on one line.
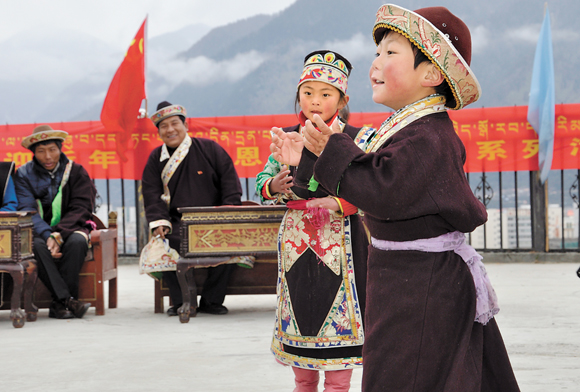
[(9, 200), (64, 197), (187, 172)]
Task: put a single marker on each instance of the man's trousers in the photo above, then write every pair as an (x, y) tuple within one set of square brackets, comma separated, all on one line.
[(61, 276)]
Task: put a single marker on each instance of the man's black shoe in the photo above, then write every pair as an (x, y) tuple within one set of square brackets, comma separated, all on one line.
[(206, 307), (58, 310), (78, 308), (172, 311)]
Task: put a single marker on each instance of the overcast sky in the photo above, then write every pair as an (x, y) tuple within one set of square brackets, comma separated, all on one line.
[(116, 21), (55, 51)]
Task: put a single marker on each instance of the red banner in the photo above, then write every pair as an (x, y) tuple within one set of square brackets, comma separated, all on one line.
[(496, 139)]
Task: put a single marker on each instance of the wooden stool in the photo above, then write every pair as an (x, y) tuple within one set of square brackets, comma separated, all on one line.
[(17, 259), (211, 236)]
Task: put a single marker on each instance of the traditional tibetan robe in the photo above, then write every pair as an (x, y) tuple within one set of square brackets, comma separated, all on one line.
[(37, 189), (321, 283), (420, 333), (64, 200), (198, 173)]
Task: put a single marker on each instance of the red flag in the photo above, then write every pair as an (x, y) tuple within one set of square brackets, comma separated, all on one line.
[(126, 92)]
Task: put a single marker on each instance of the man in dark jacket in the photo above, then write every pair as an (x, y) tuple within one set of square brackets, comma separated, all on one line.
[(187, 172), (64, 197)]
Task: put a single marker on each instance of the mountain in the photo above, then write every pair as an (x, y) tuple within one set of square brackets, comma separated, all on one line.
[(175, 41), (251, 67), (504, 36), (226, 36)]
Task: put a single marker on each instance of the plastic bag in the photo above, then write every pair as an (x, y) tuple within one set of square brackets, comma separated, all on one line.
[(157, 256)]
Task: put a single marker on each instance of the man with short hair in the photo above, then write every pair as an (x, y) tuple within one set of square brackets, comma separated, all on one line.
[(63, 195), (187, 172)]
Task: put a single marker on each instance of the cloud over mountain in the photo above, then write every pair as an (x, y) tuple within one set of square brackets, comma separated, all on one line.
[(252, 66)]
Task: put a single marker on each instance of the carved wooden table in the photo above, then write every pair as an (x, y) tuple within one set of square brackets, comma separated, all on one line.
[(17, 259), (211, 236)]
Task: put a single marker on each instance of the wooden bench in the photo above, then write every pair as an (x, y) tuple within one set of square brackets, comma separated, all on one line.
[(211, 236), (99, 267)]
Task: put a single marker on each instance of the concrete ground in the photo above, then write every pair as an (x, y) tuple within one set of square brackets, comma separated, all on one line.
[(133, 349)]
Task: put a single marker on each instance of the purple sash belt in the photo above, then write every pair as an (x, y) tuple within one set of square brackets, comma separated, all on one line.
[(486, 304)]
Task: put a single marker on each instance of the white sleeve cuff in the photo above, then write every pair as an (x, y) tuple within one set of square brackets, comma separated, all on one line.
[(161, 222)]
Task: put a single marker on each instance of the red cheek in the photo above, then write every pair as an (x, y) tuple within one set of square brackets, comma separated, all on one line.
[(394, 78)]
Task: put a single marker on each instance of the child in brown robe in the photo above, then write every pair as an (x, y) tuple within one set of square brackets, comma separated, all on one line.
[(429, 322)]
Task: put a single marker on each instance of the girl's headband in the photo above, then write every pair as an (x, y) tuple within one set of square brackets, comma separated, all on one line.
[(327, 67)]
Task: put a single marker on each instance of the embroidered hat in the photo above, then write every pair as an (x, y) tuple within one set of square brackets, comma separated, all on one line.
[(165, 110), (444, 39), (328, 67), (42, 133)]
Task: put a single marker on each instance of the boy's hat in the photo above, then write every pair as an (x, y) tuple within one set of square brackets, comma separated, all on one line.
[(443, 37), (165, 110), (42, 133), (328, 67)]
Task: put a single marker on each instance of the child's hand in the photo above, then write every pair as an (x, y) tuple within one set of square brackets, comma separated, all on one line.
[(316, 139), (286, 147), (323, 202), (282, 182)]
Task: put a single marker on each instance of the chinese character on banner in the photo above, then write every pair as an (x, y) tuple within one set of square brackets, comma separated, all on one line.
[(103, 158), (530, 148), (248, 156), (491, 150), (19, 158)]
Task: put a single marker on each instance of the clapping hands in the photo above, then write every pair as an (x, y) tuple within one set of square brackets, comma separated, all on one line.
[(286, 147)]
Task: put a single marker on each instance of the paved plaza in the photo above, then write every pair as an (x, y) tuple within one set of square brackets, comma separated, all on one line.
[(133, 349)]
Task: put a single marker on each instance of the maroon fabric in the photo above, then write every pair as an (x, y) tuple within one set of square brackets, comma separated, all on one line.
[(449, 24), (420, 333), (413, 188)]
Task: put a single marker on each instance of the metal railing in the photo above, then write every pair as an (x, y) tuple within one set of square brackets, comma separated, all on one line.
[(506, 195), (508, 200)]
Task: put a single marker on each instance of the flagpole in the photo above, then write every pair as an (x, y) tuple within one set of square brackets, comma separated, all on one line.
[(142, 225), (145, 46), (545, 185), (541, 113)]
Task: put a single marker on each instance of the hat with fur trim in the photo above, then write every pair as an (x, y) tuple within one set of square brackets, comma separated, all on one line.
[(42, 133), (444, 39), (328, 67), (165, 110)]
